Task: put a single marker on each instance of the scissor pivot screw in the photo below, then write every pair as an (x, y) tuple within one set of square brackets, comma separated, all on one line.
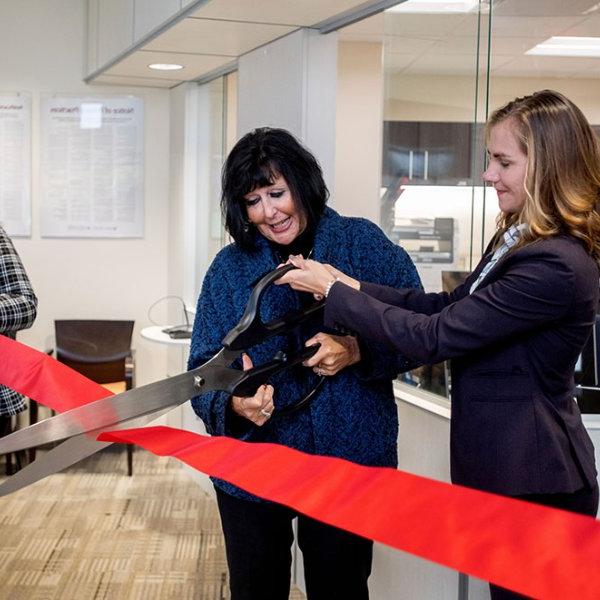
[(198, 381)]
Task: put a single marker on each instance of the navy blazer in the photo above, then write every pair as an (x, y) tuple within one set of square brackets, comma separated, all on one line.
[(515, 426)]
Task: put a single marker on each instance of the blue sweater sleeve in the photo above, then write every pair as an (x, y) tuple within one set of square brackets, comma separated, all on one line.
[(210, 326)]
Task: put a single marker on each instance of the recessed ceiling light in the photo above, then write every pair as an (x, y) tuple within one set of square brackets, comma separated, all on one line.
[(165, 66), (567, 46), (434, 6)]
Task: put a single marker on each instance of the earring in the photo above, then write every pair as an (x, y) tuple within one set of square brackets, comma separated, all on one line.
[(246, 226)]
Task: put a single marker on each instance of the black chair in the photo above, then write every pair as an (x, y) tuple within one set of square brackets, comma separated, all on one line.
[(100, 350)]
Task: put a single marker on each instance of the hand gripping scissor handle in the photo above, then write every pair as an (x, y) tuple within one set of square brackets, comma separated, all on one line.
[(251, 330)]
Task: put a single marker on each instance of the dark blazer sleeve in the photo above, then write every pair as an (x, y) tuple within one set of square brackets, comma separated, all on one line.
[(529, 289), (415, 300), (387, 263)]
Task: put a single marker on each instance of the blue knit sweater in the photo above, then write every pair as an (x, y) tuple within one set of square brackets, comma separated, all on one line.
[(354, 415)]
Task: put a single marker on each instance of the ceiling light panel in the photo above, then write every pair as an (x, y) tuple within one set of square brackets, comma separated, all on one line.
[(567, 46), (435, 6), (165, 67)]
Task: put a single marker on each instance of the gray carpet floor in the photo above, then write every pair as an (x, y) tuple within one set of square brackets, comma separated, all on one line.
[(92, 533)]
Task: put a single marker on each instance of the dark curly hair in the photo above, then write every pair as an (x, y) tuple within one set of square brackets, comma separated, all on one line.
[(256, 161)]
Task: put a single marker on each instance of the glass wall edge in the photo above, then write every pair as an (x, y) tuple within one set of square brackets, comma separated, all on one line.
[(368, 9), (423, 399), (220, 72)]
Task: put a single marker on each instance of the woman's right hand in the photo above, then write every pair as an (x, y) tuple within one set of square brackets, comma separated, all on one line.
[(257, 408), (314, 277)]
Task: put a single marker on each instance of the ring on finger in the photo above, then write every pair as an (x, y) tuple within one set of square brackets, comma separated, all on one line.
[(265, 413)]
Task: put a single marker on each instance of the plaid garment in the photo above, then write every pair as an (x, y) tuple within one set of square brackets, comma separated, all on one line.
[(18, 308)]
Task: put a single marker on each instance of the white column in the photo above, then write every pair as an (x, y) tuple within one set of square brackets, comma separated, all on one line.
[(291, 83)]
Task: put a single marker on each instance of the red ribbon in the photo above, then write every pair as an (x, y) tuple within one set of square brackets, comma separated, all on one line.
[(47, 381), (535, 550), (532, 549)]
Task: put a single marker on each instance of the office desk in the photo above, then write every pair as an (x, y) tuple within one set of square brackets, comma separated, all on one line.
[(155, 333)]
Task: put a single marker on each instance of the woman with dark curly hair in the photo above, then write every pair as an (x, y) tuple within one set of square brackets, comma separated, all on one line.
[(515, 328), (274, 203)]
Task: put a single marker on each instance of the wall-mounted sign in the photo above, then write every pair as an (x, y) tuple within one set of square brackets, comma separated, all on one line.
[(92, 167), (15, 164)]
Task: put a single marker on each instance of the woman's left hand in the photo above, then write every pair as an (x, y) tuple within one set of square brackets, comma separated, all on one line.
[(336, 353)]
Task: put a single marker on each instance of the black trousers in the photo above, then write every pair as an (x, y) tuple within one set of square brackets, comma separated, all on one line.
[(584, 501), (258, 540)]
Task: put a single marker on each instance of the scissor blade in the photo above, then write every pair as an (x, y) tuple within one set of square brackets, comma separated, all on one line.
[(65, 455), (134, 403), (57, 459)]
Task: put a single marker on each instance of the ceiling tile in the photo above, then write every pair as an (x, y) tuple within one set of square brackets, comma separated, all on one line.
[(287, 12), (547, 8), (427, 26), (407, 45), (532, 26), (550, 66), (589, 27), (458, 64), (514, 46), (205, 36)]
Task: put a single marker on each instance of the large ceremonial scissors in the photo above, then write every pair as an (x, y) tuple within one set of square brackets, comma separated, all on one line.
[(134, 408)]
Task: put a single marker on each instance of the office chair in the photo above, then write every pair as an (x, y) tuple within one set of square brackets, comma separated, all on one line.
[(100, 350)]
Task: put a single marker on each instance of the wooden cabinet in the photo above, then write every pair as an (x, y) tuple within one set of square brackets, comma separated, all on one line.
[(432, 153)]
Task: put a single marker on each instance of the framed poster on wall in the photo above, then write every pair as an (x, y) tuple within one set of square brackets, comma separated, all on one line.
[(92, 167), (15, 163)]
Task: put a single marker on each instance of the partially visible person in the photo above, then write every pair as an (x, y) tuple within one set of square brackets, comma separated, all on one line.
[(274, 202), (18, 309), (515, 328)]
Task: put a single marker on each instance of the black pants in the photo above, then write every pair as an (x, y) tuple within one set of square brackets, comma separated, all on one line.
[(583, 501), (258, 540)]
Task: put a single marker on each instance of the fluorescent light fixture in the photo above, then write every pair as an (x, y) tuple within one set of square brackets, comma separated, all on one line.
[(165, 66), (434, 6), (567, 46)]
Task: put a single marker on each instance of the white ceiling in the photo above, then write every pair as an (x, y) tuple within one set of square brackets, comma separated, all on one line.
[(447, 44), (214, 35)]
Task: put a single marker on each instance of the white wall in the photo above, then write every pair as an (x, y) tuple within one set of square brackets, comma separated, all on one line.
[(291, 83), (359, 129), (451, 98), (42, 42), (116, 25)]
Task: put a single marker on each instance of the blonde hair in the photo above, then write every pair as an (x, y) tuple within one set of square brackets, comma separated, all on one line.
[(562, 179)]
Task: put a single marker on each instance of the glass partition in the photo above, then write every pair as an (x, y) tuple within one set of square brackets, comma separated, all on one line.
[(213, 135), (433, 203), (447, 64)]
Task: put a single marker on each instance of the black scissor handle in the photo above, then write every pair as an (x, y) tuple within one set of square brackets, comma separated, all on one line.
[(251, 330), (253, 378)]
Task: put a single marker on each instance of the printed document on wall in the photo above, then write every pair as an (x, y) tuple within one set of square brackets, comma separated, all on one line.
[(92, 167), (15, 164)]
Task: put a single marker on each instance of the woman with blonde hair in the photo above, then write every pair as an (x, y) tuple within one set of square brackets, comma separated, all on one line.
[(515, 329)]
